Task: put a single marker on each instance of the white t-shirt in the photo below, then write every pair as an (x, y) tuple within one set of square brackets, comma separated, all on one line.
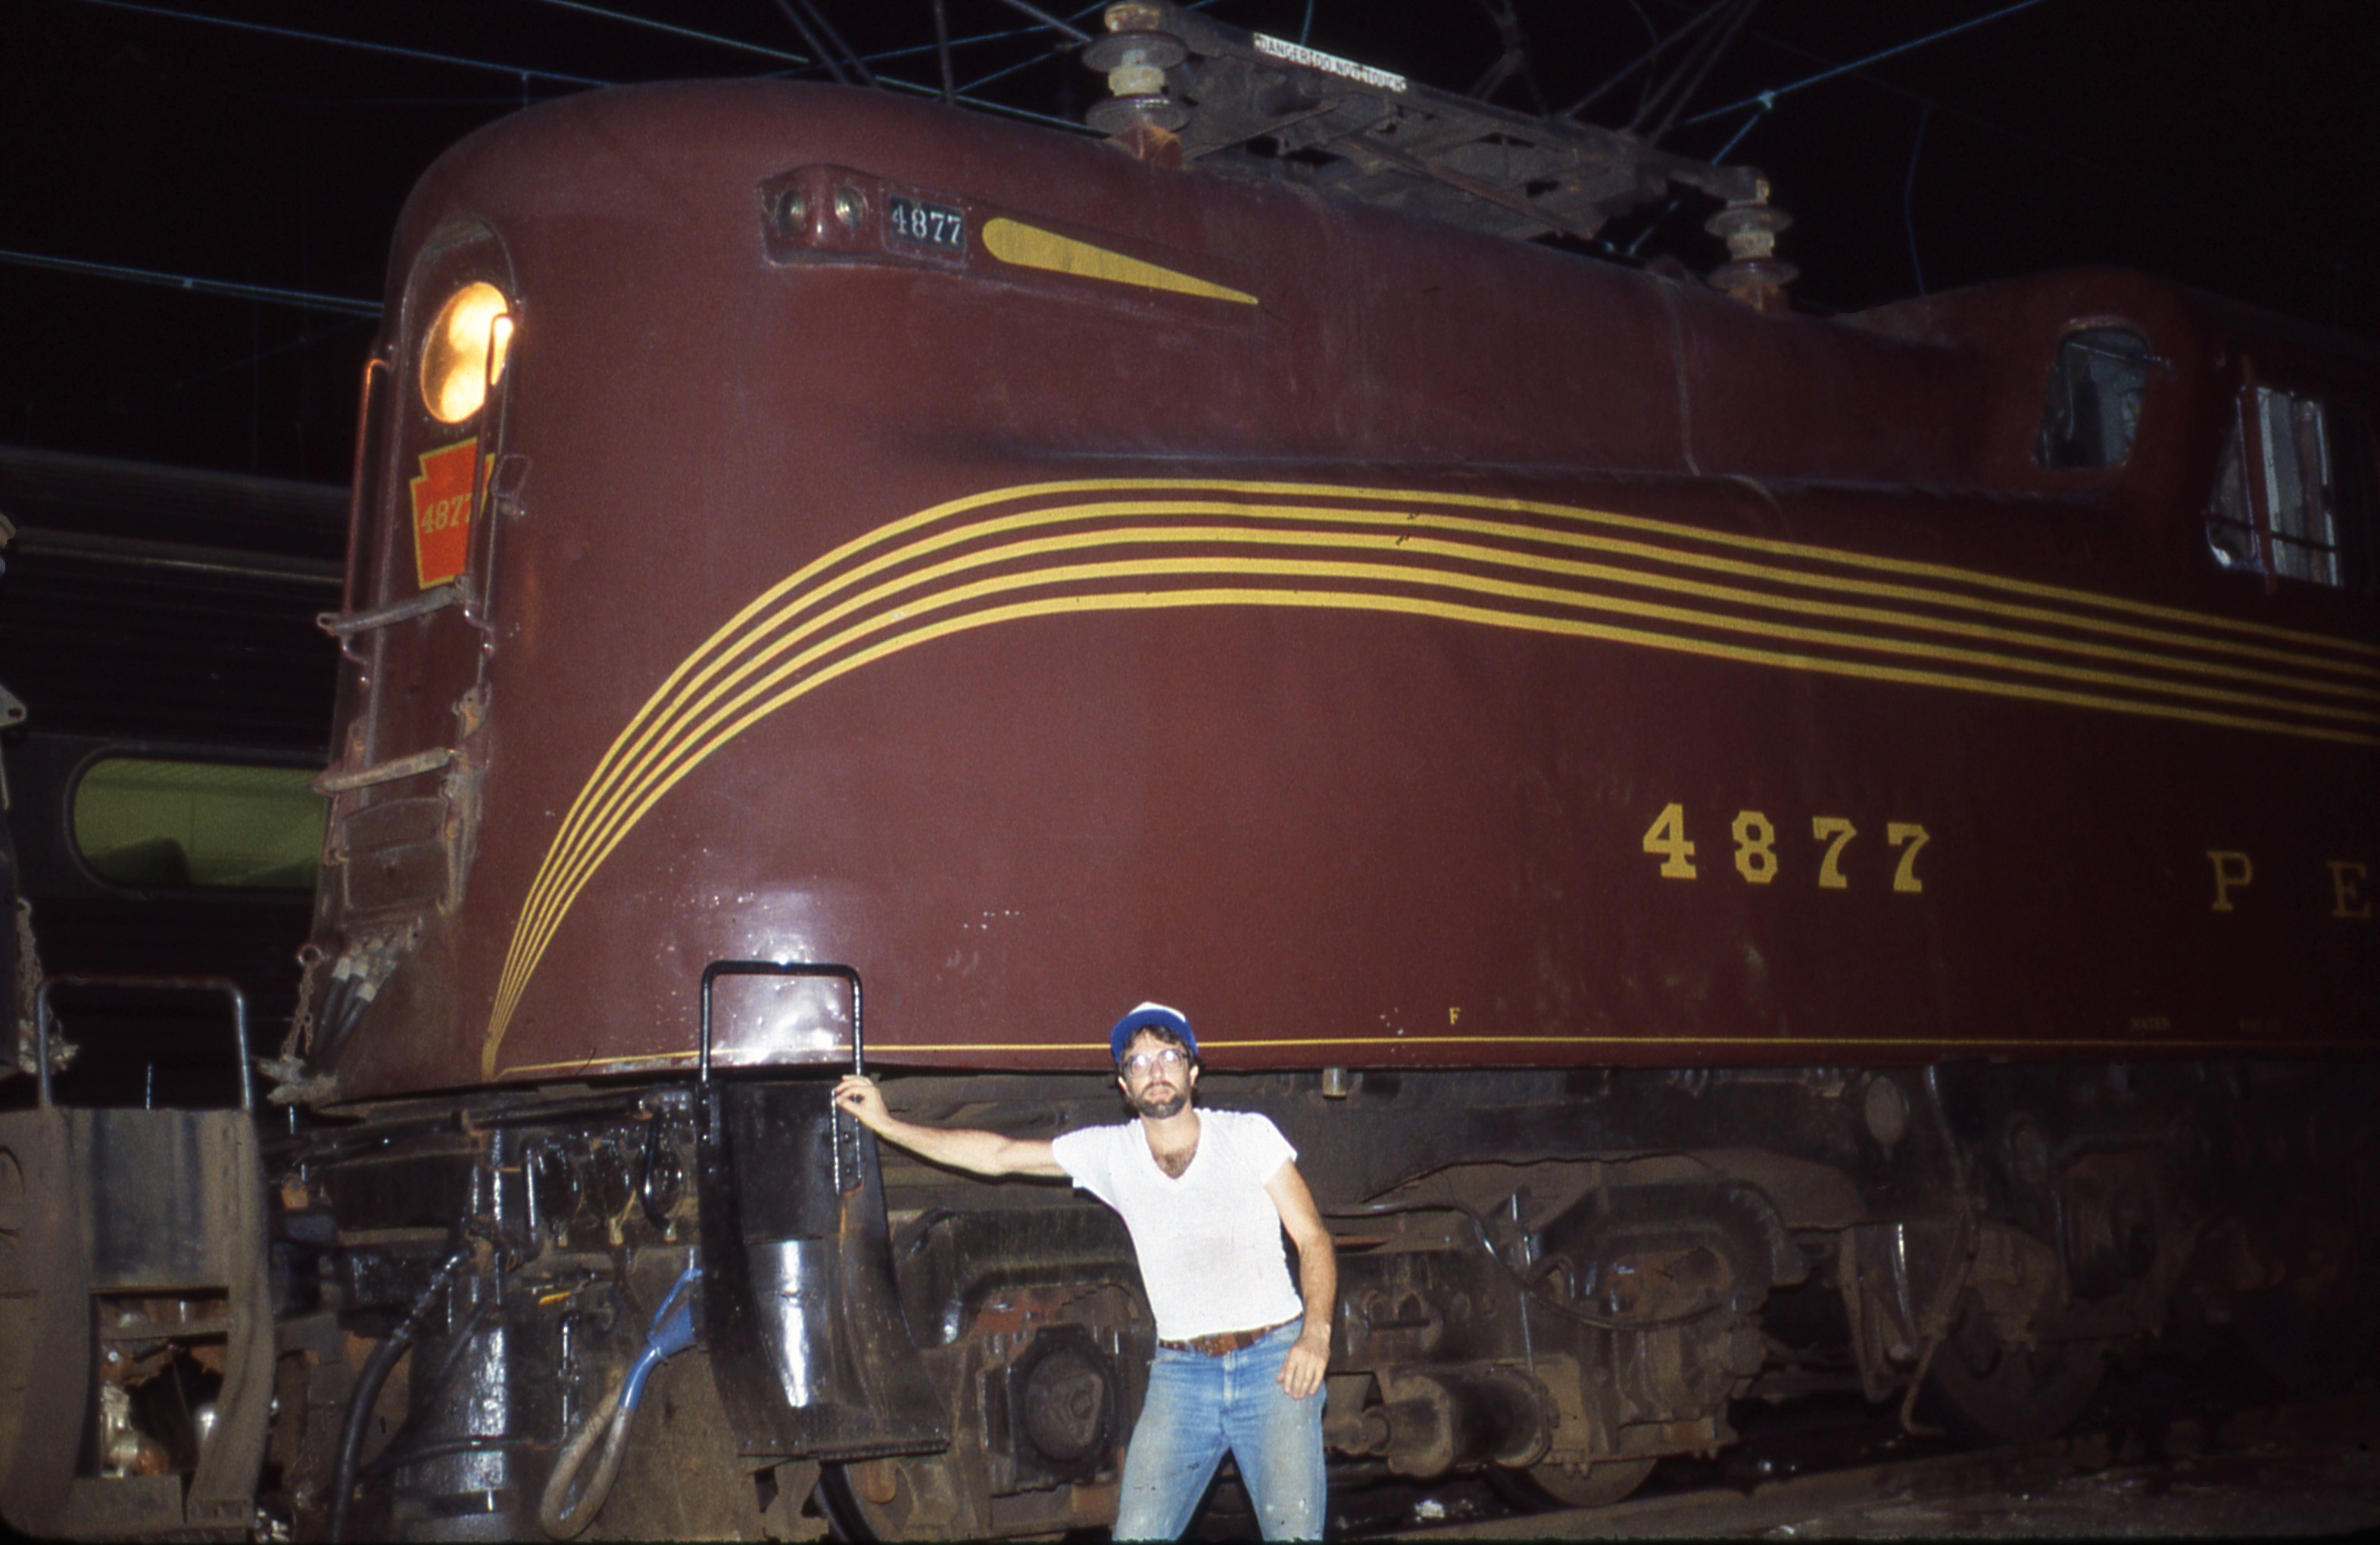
[(1209, 1244)]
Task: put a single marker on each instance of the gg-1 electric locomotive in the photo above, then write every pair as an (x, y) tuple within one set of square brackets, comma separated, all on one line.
[(1751, 855)]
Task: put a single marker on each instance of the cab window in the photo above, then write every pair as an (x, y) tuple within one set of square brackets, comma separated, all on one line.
[(2092, 412), (2293, 490)]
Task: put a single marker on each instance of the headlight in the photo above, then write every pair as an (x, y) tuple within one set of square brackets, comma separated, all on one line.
[(464, 354)]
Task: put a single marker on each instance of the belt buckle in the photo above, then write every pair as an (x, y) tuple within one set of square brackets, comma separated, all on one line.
[(1223, 1343)]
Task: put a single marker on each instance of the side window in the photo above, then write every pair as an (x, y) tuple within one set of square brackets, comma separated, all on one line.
[(2092, 412), (2293, 490), (150, 821)]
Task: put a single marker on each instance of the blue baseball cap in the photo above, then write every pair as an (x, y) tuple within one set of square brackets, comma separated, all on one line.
[(1151, 1017)]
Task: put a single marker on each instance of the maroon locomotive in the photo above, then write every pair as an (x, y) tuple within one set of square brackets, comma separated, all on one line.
[(1751, 854)]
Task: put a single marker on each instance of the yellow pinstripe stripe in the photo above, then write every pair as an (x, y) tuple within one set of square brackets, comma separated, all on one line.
[(601, 784), (602, 781), (750, 659), (1911, 568), (2058, 1043), (660, 744), (1918, 595), (683, 749), (1406, 605), (625, 743)]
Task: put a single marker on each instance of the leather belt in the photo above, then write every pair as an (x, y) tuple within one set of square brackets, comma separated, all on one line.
[(1223, 1342)]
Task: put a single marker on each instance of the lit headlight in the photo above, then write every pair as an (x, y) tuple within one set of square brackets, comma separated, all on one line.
[(464, 354)]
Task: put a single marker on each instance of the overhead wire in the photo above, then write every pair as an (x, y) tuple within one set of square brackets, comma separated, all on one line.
[(303, 340), (1005, 70), (1878, 57), (653, 24), (1716, 49), (190, 82), (194, 284), (1661, 90), (943, 52), (1718, 156), (826, 24), (880, 56), (1065, 29), (1513, 61), (846, 67), (1661, 45), (522, 72), (2040, 147), (1026, 114), (818, 45), (1650, 31), (1764, 100)]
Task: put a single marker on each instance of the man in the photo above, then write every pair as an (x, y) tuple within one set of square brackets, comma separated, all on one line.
[(1206, 1196)]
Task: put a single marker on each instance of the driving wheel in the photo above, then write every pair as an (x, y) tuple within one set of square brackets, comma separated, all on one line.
[(1995, 1389), (1552, 1484)]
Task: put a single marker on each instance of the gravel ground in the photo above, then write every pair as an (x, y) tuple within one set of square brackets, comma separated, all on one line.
[(2287, 1472)]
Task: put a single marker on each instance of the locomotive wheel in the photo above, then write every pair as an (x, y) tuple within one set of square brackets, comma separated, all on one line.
[(1551, 1485), (875, 1500), (2015, 1394), (846, 1514)]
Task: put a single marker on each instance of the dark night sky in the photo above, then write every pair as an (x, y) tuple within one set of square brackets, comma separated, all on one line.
[(2232, 146)]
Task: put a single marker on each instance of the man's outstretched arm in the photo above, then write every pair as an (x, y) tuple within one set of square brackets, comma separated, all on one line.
[(962, 1147), (1317, 1280)]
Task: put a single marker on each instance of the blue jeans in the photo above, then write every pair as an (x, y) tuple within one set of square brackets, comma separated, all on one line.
[(1198, 1406)]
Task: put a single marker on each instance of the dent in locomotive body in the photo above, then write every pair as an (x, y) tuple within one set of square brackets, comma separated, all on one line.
[(1597, 754)]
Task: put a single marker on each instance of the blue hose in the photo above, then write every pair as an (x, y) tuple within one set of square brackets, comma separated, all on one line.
[(563, 1515)]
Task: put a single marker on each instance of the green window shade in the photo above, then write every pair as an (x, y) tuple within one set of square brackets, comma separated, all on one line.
[(140, 821)]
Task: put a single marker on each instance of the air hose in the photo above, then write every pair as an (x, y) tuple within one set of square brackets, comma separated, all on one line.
[(370, 1382), (563, 1515)]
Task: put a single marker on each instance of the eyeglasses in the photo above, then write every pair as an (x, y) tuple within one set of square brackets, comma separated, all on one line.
[(1168, 1058)]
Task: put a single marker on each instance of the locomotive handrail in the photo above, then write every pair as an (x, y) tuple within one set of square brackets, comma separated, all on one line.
[(342, 625), (375, 366), (224, 985), (331, 780), (719, 968)]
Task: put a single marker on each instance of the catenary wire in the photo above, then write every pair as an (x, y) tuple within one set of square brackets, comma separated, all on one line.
[(828, 43), (1002, 35), (1723, 39), (632, 19), (306, 340), (1661, 45), (2042, 147), (1878, 57), (1671, 207), (522, 72), (194, 284), (1066, 29)]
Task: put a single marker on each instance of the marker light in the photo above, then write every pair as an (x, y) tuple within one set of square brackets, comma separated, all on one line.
[(464, 352)]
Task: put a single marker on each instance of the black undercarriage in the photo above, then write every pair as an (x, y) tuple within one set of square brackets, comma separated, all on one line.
[(1559, 1278)]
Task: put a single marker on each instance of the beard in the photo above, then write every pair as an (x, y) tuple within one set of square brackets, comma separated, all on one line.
[(1160, 1101)]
